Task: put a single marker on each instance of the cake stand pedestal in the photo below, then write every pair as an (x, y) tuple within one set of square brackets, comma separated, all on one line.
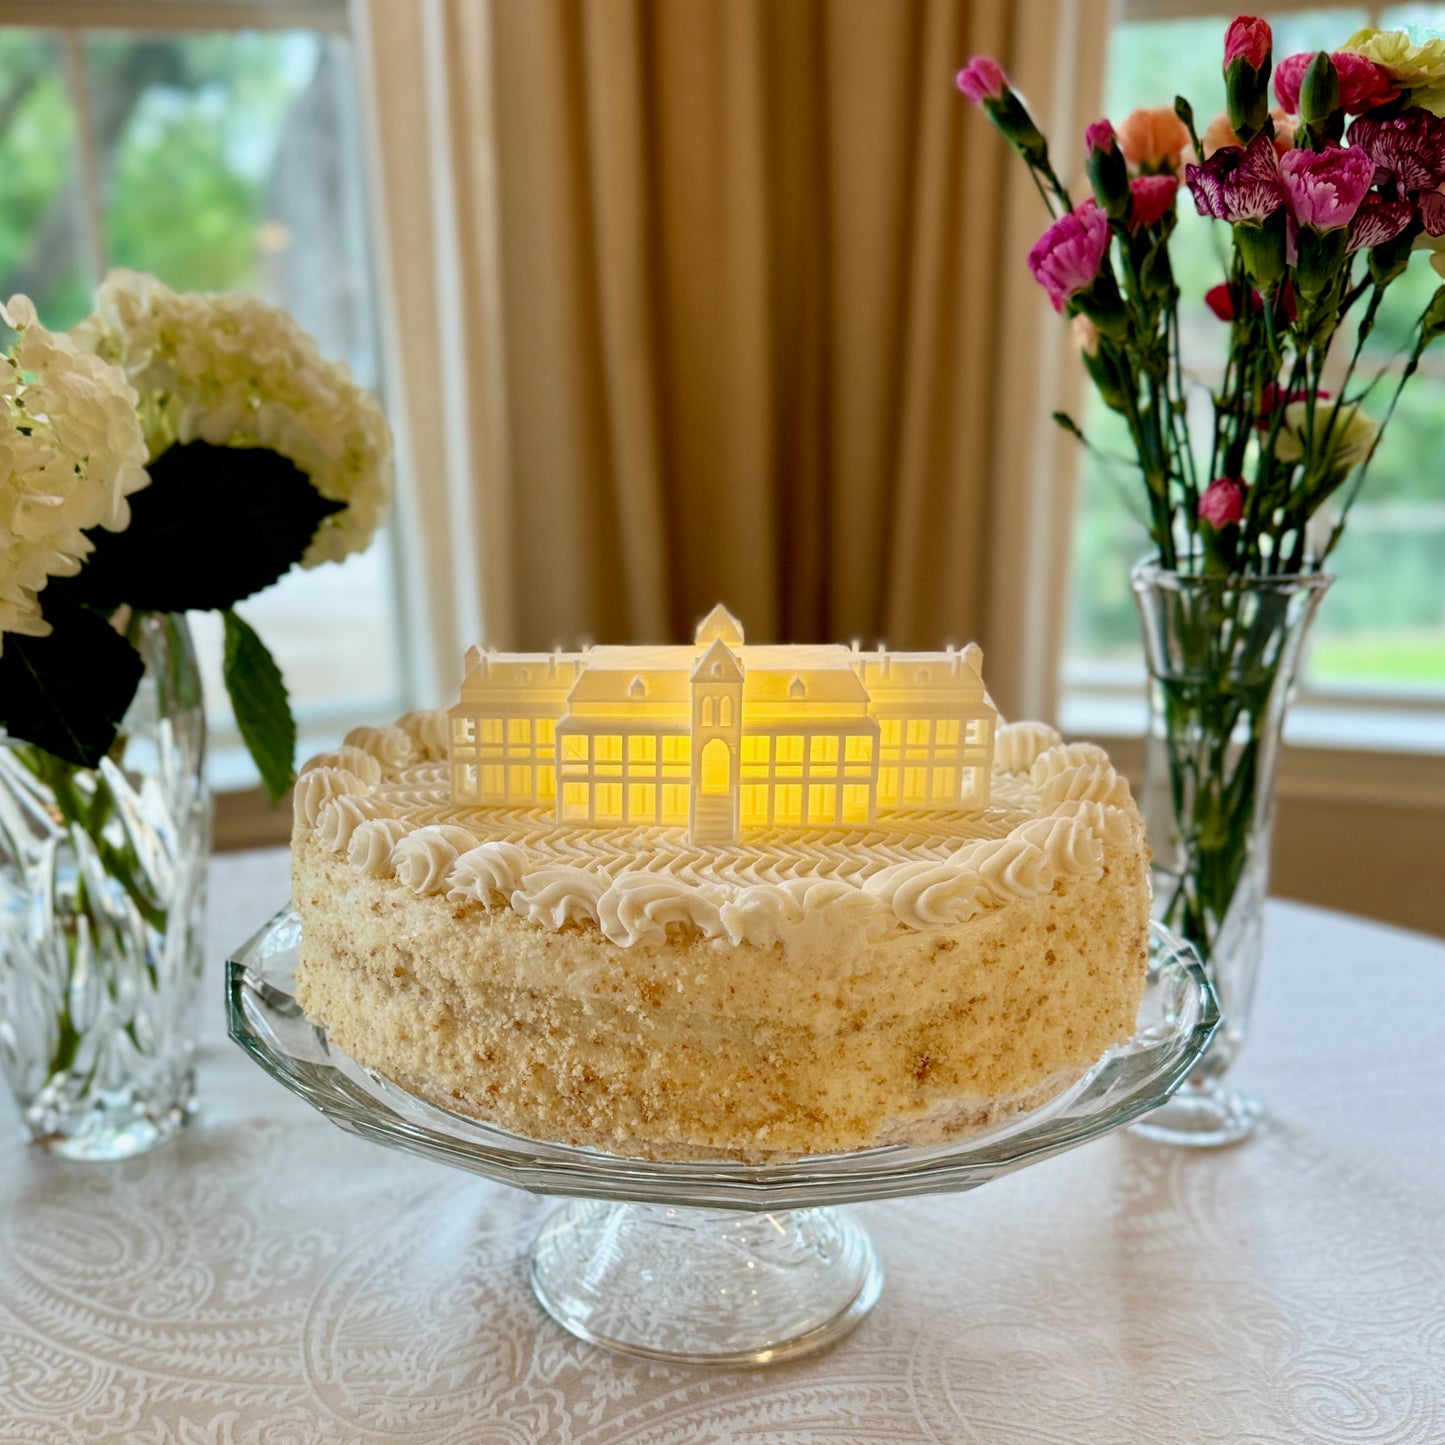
[(713, 1261), (705, 1286)]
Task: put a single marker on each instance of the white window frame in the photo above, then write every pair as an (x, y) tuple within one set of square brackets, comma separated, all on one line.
[(243, 816), (1106, 700), (1361, 783)]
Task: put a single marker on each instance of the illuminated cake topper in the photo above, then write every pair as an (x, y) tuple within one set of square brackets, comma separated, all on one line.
[(722, 737)]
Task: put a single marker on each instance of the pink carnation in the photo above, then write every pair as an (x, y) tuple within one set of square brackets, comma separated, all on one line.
[(1248, 39), (1153, 199), (1222, 504), (982, 79), (1363, 84), (1066, 258), (1324, 189), (1099, 136)]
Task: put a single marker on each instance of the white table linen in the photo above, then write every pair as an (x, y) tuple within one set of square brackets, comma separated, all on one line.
[(270, 1279)]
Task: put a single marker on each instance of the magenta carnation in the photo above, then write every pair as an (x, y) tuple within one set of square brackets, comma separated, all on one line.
[(1411, 147), (982, 79), (1363, 84), (1237, 184), (1325, 188), (1248, 39), (1222, 504), (1099, 136), (1066, 258)]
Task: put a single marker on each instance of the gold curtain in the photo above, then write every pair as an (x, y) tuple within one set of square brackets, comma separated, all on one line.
[(738, 342)]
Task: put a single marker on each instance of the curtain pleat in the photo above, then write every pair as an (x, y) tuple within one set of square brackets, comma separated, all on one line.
[(745, 255)]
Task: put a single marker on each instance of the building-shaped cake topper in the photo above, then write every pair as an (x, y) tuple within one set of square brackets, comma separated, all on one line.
[(722, 737)]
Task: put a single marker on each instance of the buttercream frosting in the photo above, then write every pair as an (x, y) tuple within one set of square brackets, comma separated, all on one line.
[(1055, 807)]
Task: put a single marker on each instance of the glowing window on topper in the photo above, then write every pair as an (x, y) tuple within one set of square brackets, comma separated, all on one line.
[(723, 737)]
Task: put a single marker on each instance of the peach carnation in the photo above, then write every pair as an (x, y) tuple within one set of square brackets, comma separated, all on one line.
[(1154, 141)]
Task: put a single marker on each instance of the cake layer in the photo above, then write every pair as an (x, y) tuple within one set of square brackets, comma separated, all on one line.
[(693, 1044)]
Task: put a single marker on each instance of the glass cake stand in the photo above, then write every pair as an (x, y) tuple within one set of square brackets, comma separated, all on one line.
[(716, 1261)]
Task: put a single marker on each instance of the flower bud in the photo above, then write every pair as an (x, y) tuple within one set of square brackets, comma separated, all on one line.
[(1107, 169), (1222, 504), (1106, 377), (982, 79), (1248, 39), (1319, 102), (1246, 76)]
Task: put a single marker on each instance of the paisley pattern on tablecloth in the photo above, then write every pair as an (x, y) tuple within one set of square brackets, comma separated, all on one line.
[(269, 1280)]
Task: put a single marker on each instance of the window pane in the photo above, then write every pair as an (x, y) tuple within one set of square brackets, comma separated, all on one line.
[(42, 215), (217, 161), (1382, 627)]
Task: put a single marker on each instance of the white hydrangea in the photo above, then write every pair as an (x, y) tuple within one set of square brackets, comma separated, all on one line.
[(71, 452), (233, 371)]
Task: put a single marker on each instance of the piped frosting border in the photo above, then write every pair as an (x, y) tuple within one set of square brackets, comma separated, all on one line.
[(1079, 809)]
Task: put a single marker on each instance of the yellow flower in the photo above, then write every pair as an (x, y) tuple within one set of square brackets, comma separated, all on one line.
[(1411, 64), (1432, 100), (1350, 435)]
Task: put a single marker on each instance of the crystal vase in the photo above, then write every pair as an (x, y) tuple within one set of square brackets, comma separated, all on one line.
[(1223, 655), (102, 887)]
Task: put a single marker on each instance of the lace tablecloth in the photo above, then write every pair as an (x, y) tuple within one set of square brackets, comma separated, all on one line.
[(270, 1279)]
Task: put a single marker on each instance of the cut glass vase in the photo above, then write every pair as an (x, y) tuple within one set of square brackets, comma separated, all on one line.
[(1223, 655), (102, 888)]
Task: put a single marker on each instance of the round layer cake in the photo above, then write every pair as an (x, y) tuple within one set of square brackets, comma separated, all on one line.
[(802, 992)]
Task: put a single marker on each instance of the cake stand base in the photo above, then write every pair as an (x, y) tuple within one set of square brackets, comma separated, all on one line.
[(705, 1286), (1203, 1116)]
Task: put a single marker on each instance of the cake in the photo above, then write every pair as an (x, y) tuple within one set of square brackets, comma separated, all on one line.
[(721, 899)]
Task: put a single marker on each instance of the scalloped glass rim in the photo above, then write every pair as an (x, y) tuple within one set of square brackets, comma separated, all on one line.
[(1177, 1019)]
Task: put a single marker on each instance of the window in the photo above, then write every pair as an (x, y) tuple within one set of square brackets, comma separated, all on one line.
[(789, 750), (1375, 673), (219, 159), (823, 750)]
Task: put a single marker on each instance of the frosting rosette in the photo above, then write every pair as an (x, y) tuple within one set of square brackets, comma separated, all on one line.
[(487, 874), (422, 859), (372, 844)]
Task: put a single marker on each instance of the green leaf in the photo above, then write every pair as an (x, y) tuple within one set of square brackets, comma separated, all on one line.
[(68, 692), (215, 525), (263, 711)]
